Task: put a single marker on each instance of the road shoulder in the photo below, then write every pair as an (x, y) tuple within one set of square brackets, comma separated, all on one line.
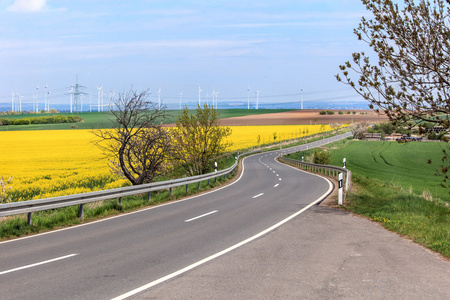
[(323, 253)]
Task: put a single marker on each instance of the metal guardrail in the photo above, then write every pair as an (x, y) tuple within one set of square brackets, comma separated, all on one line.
[(326, 170), (30, 206)]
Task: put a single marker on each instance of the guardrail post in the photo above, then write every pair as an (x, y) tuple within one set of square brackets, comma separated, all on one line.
[(120, 200), (340, 189), (29, 218), (81, 212), (187, 188), (198, 185), (170, 191), (149, 196)]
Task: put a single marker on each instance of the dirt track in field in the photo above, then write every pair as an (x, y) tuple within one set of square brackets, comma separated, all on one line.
[(304, 117)]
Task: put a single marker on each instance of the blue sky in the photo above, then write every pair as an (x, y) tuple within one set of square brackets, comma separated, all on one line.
[(277, 47)]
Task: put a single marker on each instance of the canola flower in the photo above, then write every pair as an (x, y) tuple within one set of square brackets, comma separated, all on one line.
[(51, 163), (244, 137)]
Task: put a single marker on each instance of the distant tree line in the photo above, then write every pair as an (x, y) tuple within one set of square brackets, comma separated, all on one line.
[(42, 120)]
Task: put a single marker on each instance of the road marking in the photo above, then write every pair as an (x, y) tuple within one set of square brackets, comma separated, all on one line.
[(204, 215), (279, 178), (37, 264), (276, 185), (134, 212), (256, 196), (218, 254), (277, 175)]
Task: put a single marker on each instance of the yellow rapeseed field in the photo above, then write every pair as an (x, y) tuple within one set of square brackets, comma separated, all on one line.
[(244, 137), (53, 163)]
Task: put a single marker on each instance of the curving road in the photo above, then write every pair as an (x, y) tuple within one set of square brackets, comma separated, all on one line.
[(122, 256)]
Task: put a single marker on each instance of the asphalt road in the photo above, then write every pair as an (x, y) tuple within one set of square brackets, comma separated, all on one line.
[(110, 258)]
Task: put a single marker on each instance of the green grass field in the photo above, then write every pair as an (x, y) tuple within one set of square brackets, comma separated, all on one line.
[(388, 183), (404, 165), (101, 120)]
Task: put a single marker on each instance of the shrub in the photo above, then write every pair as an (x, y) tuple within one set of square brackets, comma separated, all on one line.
[(321, 157), (385, 127), (42, 120), (21, 122), (433, 136)]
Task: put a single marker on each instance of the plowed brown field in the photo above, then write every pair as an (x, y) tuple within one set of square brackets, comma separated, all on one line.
[(305, 117)]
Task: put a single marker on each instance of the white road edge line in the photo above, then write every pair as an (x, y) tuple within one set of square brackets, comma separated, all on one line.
[(218, 254), (37, 264), (256, 196), (276, 185), (204, 215)]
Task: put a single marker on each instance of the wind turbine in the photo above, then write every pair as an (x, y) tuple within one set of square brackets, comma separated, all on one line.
[(181, 94), (199, 91), (48, 101), (20, 103), (45, 98), (35, 103), (71, 99), (301, 98), (111, 96), (216, 106), (36, 99), (257, 95), (248, 97), (100, 98), (12, 100), (159, 98), (213, 95)]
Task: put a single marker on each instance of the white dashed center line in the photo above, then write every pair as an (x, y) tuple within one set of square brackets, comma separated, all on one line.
[(37, 264), (204, 215), (256, 196)]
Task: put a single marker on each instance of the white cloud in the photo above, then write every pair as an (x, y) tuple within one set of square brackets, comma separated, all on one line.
[(28, 6)]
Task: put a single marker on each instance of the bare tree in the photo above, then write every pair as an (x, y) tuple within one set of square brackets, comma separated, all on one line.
[(200, 139), (410, 80), (138, 146)]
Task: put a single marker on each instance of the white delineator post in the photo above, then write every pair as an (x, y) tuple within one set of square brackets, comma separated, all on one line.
[(344, 162), (340, 189)]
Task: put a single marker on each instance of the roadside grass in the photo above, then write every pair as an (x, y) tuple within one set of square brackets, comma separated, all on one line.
[(389, 180), (424, 222), (102, 120)]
